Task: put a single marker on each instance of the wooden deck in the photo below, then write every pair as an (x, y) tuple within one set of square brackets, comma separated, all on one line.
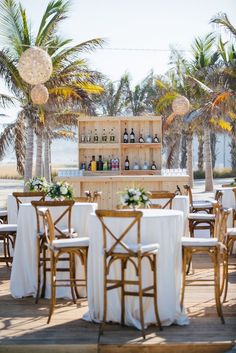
[(23, 325)]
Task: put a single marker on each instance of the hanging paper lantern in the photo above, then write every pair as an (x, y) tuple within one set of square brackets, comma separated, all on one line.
[(180, 105), (39, 94), (35, 66)]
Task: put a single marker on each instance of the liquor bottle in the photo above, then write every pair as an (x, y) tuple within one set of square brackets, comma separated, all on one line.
[(154, 166), (82, 137), (95, 136), (132, 136), (104, 136), (112, 136), (93, 164), (112, 163), (156, 139), (100, 163), (89, 137), (145, 166), (127, 163), (141, 139), (105, 165), (125, 137)]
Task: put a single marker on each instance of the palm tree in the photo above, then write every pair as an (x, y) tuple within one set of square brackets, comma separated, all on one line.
[(70, 72)]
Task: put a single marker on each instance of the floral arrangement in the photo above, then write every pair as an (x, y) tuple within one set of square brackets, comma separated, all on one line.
[(60, 190), (135, 197), (38, 184)]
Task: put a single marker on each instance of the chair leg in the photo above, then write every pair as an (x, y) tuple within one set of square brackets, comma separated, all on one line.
[(140, 292), (101, 328), (122, 292), (53, 288), (38, 274), (216, 265), (72, 275), (155, 291), (183, 277), (44, 261), (226, 275)]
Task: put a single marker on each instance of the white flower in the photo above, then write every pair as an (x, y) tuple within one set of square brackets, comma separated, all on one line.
[(63, 190), (145, 197), (136, 198)]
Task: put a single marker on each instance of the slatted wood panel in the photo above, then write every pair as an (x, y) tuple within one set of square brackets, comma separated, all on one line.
[(23, 325)]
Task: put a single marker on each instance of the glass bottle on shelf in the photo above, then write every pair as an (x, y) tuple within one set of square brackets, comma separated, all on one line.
[(105, 165), (112, 136), (154, 166), (136, 166), (93, 164), (145, 166), (156, 139), (82, 137), (100, 163), (141, 139), (127, 163), (125, 136), (95, 136), (104, 136), (89, 137), (132, 136)]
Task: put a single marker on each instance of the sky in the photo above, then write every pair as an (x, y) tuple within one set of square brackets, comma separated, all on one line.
[(138, 33)]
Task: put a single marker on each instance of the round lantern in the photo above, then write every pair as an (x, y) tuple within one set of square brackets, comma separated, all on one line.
[(180, 105), (35, 66), (39, 94)]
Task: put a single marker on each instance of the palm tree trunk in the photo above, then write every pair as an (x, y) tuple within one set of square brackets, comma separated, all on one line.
[(47, 159), (176, 160), (29, 146), (208, 161), (39, 154), (200, 152), (189, 141)]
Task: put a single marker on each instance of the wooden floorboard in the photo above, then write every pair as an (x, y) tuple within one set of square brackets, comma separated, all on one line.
[(23, 325)]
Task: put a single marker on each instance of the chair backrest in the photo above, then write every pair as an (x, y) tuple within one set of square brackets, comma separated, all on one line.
[(188, 192), (23, 196), (89, 196), (45, 216), (165, 196), (220, 227), (64, 214), (119, 240), (219, 195)]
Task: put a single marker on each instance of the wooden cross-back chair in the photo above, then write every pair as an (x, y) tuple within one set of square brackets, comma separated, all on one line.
[(23, 196), (89, 196), (166, 196), (63, 213), (216, 248), (57, 247), (127, 252)]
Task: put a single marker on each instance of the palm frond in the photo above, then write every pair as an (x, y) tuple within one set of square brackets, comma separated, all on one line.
[(6, 101), (223, 20), (66, 92), (20, 142), (6, 138), (222, 97)]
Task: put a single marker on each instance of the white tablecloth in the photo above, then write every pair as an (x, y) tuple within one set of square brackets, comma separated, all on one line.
[(23, 280), (180, 203), (157, 226)]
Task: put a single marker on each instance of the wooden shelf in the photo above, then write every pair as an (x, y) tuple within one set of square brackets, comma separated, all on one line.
[(141, 172), (144, 145), (98, 145)]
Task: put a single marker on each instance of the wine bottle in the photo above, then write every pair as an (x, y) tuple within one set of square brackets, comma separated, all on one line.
[(132, 136), (89, 137), (127, 163), (125, 137), (112, 136), (104, 136), (156, 139), (100, 163), (95, 136), (141, 139), (154, 166)]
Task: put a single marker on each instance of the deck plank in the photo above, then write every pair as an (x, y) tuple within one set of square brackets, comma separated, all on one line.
[(23, 325)]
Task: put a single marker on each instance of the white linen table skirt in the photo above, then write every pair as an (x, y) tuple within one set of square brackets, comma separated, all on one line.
[(23, 280), (157, 226)]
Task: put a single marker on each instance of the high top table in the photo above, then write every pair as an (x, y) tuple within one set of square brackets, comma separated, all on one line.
[(165, 227), (23, 280)]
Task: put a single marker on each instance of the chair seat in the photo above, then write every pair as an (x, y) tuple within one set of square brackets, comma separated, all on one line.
[(3, 213), (70, 243), (5, 228), (231, 232), (150, 248), (202, 204), (201, 242), (201, 216)]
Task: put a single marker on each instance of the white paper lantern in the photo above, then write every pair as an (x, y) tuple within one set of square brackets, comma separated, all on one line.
[(39, 94), (180, 105), (35, 66)]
